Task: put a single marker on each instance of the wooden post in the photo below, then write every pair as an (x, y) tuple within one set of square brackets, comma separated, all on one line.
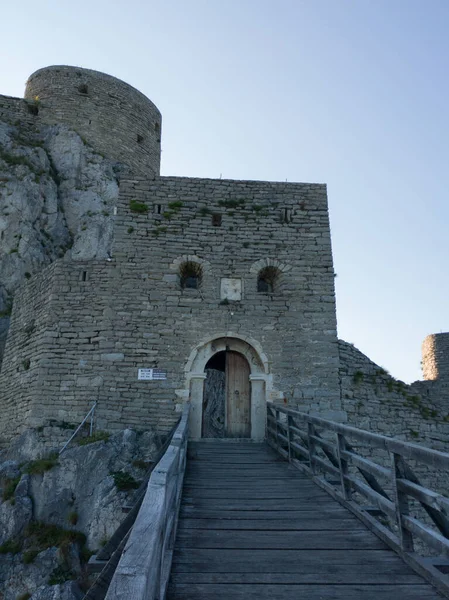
[(277, 428), (312, 445), (343, 466), (289, 435), (401, 504)]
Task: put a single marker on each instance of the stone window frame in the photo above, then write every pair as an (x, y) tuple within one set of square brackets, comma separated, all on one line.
[(203, 266), (279, 267)]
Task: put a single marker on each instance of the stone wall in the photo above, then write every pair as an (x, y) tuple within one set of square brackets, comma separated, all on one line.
[(375, 401), (435, 357), (106, 319), (25, 351), (113, 117), (17, 111)]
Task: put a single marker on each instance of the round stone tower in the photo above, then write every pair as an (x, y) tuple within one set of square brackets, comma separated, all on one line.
[(435, 357), (114, 118)]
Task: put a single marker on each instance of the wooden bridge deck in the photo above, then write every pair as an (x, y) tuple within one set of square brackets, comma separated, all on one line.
[(251, 526)]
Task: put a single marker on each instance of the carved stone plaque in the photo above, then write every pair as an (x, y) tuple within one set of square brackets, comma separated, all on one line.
[(231, 289)]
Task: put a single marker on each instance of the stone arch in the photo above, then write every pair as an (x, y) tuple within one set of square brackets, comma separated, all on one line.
[(269, 276), (269, 262), (179, 260), (260, 377)]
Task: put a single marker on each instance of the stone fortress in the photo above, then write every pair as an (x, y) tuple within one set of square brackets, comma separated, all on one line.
[(217, 292)]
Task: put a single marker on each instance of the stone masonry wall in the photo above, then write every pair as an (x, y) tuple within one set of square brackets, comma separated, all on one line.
[(375, 401), (20, 376), (109, 318), (17, 110), (113, 117), (260, 222), (435, 357)]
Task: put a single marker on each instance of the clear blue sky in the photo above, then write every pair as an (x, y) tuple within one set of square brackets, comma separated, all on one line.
[(354, 93)]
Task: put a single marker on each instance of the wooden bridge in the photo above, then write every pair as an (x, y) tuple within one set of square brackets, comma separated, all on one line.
[(286, 519)]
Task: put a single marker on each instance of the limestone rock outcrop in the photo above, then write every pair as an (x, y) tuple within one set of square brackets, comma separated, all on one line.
[(52, 516)]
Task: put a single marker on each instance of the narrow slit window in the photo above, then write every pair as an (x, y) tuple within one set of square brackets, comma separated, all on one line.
[(216, 220), (83, 89)]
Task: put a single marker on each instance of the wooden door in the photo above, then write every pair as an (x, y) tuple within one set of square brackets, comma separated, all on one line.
[(238, 396)]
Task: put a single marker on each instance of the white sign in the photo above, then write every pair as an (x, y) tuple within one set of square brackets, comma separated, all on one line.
[(151, 374), (231, 289)]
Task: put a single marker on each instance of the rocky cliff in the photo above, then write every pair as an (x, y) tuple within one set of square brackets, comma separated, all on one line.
[(56, 510)]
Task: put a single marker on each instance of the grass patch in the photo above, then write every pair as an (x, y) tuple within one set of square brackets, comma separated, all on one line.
[(43, 536), (175, 206), (232, 203), (85, 554), (138, 207), (13, 160), (39, 466), (10, 547), (140, 464), (124, 481), (61, 574), (25, 596), (414, 434), (98, 436), (28, 556), (9, 488), (130, 229)]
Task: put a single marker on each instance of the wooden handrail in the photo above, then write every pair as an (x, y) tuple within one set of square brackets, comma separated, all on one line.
[(297, 437), (144, 567)]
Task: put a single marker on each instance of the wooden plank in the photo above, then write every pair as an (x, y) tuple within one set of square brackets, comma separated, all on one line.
[(288, 540), (311, 592), (250, 504), (310, 522), (367, 465), (370, 574), (421, 493), (382, 503), (432, 538), (248, 493), (325, 513), (287, 561), (200, 486)]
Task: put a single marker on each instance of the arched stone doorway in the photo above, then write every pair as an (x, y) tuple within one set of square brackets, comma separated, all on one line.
[(240, 350), (227, 396)]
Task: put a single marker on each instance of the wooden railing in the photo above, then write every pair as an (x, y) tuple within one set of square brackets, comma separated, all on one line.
[(106, 560), (144, 567), (408, 516)]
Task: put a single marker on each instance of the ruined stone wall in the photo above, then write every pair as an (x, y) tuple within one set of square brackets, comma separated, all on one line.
[(110, 318), (17, 111), (113, 117), (375, 401)]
